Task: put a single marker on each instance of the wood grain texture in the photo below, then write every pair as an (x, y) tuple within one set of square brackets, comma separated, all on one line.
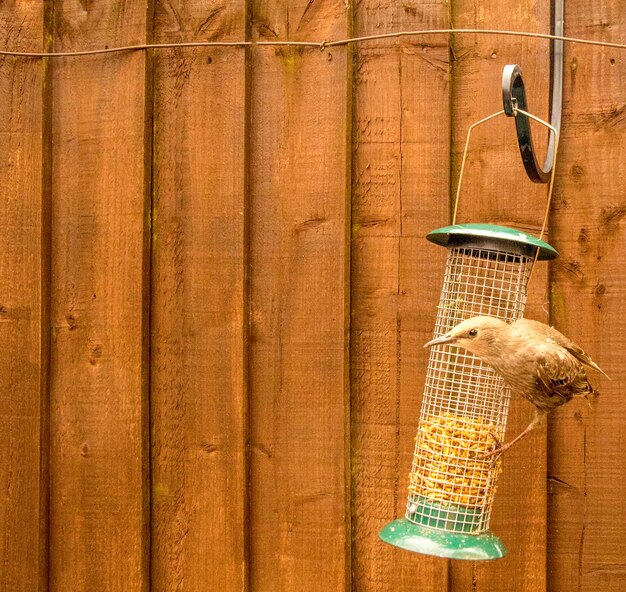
[(299, 505), (586, 550), (496, 189), (23, 306), (99, 499), (124, 314), (400, 189), (198, 303)]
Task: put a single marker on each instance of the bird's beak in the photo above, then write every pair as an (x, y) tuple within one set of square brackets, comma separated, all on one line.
[(447, 338)]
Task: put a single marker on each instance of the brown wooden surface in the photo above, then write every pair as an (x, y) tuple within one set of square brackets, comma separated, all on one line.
[(99, 500), (23, 307), (215, 286), (400, 188), (197, 355), (299, 216), (587, 464), (496, 189)]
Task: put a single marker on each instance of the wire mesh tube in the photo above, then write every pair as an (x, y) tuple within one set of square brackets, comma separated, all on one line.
[(465, 403)]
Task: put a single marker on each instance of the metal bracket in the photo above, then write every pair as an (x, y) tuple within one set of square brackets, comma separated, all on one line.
[(514, 99)]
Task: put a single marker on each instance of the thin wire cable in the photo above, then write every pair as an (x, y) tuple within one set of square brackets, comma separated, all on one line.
[(556, 147), (90, 52), (318, 44), (478, 31), (516, 110), (467, 140)]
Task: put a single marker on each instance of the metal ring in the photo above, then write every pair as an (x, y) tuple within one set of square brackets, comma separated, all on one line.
[(514, 101)]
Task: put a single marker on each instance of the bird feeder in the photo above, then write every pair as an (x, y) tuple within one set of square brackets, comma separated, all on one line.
[(465, 403)]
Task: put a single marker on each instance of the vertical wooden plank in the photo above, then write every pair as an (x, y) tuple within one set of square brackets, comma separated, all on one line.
[(99, 499), (496, 189), (299, 164), (198, 363), (400, 190), (586, 550), (23, 305)]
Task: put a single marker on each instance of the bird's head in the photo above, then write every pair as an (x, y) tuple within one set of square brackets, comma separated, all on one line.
[(481, 336)]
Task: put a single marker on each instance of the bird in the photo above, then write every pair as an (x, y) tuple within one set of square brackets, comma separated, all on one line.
[(535, 360)]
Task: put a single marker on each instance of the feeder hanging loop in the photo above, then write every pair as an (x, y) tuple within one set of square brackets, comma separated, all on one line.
[(515, 103)]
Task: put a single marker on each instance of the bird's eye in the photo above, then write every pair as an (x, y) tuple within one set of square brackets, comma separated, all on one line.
[(473, 332)]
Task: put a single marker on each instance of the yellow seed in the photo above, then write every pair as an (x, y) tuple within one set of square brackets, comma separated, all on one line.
[(448, 459)]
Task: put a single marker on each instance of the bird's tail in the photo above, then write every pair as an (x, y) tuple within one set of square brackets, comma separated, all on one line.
[(595, 366)]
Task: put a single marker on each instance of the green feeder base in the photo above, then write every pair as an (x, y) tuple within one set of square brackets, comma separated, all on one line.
[(405, 534)]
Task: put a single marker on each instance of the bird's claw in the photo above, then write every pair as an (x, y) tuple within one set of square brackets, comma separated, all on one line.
[(496, 451), (498, 444), (495, 439), (499, 449)]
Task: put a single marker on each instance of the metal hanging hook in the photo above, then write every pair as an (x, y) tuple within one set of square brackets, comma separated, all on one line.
[(514, 100)]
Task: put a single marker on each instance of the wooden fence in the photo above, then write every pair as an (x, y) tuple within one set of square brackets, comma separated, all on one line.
[(215, 289)]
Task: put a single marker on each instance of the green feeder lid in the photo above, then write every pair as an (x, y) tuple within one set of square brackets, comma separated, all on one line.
[(454, 545), (490, 236)]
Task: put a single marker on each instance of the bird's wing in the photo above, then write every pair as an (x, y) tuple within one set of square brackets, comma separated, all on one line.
[(560, 374), (552, 335), (576, 351)]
